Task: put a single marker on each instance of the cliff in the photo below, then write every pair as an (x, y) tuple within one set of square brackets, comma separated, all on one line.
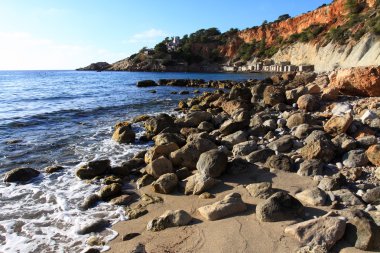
[(342, 34)]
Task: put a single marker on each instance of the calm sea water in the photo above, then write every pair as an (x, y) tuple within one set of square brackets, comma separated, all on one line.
[(66, 118)]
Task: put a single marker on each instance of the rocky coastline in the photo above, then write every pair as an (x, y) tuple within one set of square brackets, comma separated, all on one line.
[(286, 164)]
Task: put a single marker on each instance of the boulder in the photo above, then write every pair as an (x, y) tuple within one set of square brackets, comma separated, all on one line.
[(124, 134), (166, 138), (206, 126), (320, 149), (295, 119), (90, 201), (323, 231), (282, 144), (240, 93), (364, 81), (199, 183), (259, 155), (329, 184), (260, 190), (93, 169), (188, 155), (239, 166), (193, 119), (144, 181), (159, 167), (169, 219), (373, 154), (273, 95), (235, 138), (279, 162), (231, 204), (372, 196), (355, 158), (346, 197), (279, 207), (155, 125), (312, 197), (338, 124), (160, 150), (93, 227), (146, 83), (308, 103), (166, 183), (244, 148), (232, 106), (212, 163), (311, 167), (110, 191), (21, 175), (231, 126)]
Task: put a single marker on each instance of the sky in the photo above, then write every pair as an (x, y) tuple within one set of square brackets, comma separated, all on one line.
[(67, 34)]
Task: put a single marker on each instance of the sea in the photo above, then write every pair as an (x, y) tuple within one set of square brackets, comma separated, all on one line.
[(66, 118)]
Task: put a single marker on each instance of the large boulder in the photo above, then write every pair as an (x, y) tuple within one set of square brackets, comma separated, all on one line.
[(20, 175), (160, 150), (279, 207), (323, 231), (364, 81), (212, 163), (169, 219), (166, 183), (159, 167), (274, 95), (146, 83), (123, 133), (199, 183), (155, 125), (231, 204), (93, 169), (188, 155), (193, 119), (373, 154), (338, 124)]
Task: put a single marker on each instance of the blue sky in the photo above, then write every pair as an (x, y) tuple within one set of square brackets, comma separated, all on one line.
[(66, 34)]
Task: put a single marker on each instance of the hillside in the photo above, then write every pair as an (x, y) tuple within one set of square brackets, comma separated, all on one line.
[(342, 34)]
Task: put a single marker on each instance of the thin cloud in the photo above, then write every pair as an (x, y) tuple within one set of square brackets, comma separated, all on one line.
[(148, 36)]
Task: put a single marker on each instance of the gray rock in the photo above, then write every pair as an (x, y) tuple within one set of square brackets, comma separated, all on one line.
[(347, 198), (239, 166), (244, 148), (311, 167), (280, 162), (260, 190), (212, 163), (323, 231), (259, 155), (231, 204), (355, 158), (235, 138), (279, 207), (166, 183), (90, 201), (159, 166), (372, 196), (312, 197), (169, 219), (283, 144), (329, 184), (199, 183), (21, 175), (95, 226)]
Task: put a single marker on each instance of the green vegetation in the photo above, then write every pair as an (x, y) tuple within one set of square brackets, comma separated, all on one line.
[(307, 34), (282, 18), (246, 51), (353, 6)]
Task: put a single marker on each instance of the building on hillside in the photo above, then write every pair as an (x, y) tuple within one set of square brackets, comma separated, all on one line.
[(306, 68), (174, 44)]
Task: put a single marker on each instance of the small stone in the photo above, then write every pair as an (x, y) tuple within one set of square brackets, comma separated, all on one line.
[(260, 190), (121, 200), (312, 197), (372, 196), (130, 236), (134, 213), (53, 169), (283, 144), (94, 241), (169, 219), (231, 204), (347, 198)]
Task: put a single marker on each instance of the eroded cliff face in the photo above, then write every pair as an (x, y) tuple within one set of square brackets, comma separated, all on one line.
[(331, 15), (364, 53)]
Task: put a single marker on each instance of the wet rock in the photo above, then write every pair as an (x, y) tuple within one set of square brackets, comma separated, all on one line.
[(283, 144), (21, 175), (169, 219), (279, 162), (244, 148), (311, 167), (259, 155), (372, 196), (155, 125), (212, 163), (312, 197), (160, 150), (338, 124), (123, 133), (53, 169), (109, 191), (231, 204), (199, 183), (144, 181), (94, 241), (122, 200), (166, 183), (273, 95), (320, 149), (308, 103), (93, 169), (159, 166), (90, 201), (188, 155), (323, 231), (127, 167), (355, 158), (373, 154), (93, 227), (260, 190), (146, 83), (279, 207)]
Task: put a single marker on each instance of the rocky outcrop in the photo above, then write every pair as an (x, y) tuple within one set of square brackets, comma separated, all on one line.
[(98, 66)]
